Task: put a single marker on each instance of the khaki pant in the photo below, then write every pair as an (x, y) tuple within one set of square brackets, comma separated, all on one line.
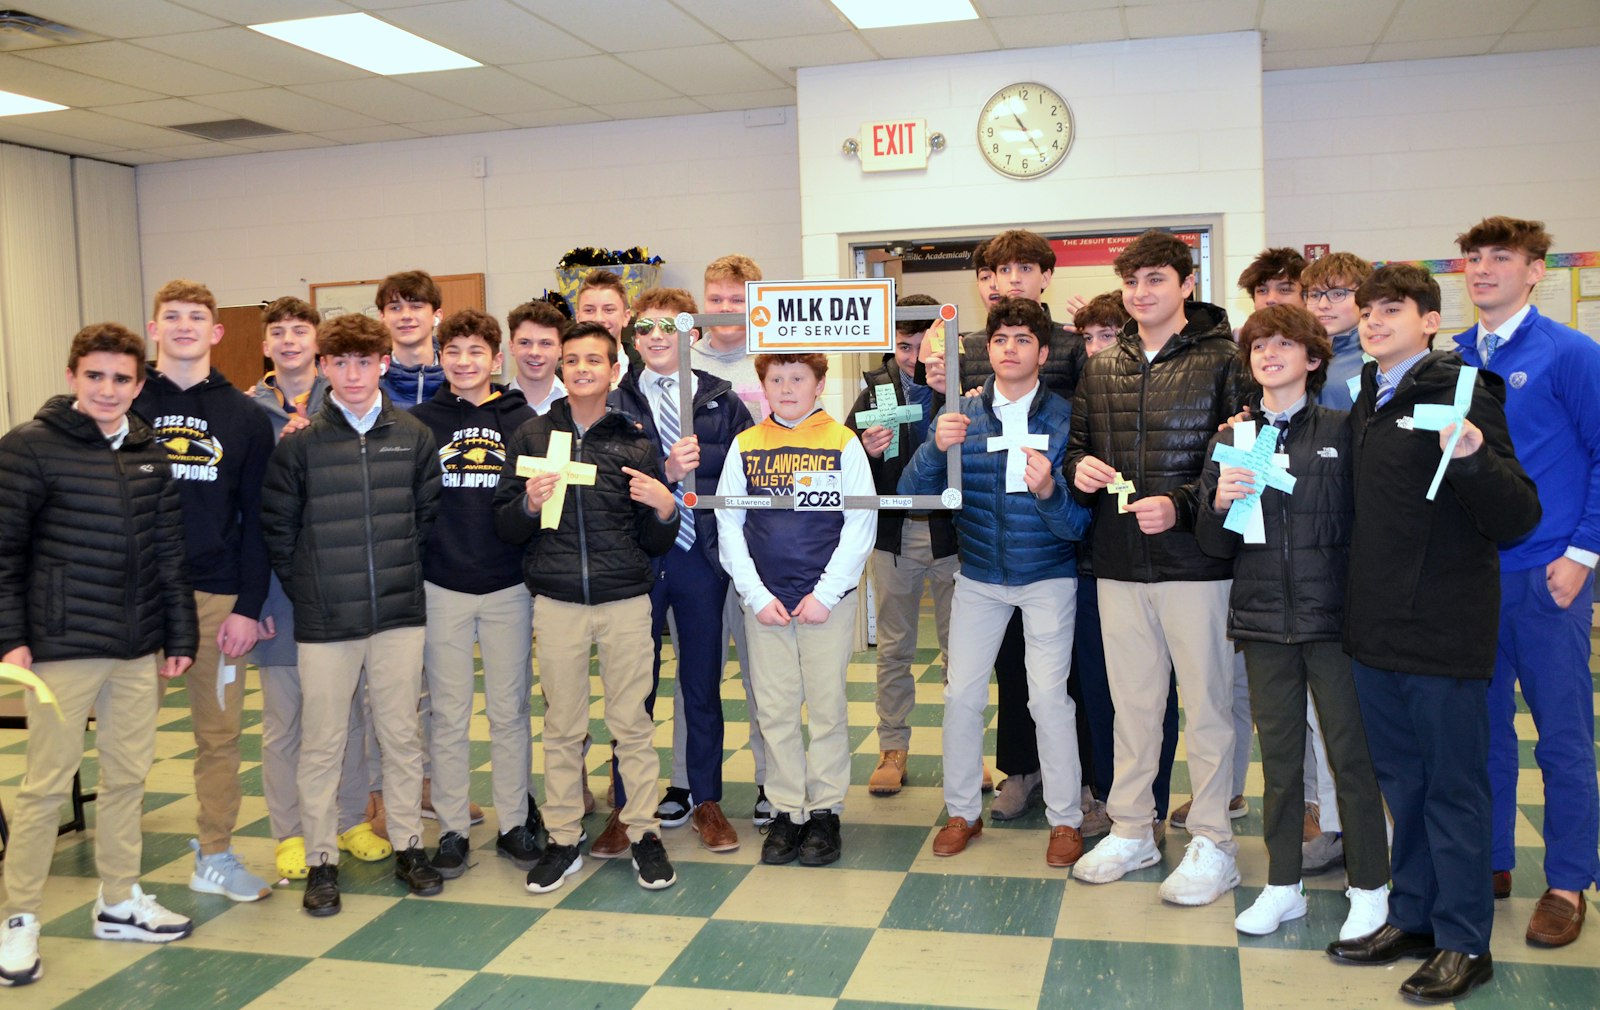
[(500, 622), (620, 632), (216, 728), (805, 664), (1149, 629), (329, 673), (897, 581), (124, 697), (280, 755)]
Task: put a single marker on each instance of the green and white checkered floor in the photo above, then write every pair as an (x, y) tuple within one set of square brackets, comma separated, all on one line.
[(888, 927)]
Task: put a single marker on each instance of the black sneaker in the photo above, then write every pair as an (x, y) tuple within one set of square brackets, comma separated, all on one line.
[(535, 820), (762, 815), (322, 890), (451, 857), (821, 844), (520, 846), (651, 864), (558, 863), (675, 807), (783, 841), (411, 867)]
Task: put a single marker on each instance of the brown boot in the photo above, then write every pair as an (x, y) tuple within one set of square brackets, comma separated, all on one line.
[(890, 775), (377, 816), (952, 839), (613, 841)]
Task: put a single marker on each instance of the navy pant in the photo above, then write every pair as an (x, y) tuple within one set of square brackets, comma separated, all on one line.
[(1429, 738), (693, 589), (1546, 649)]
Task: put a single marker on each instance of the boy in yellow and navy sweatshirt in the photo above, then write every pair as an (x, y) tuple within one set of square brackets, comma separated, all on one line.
[(796, 574)]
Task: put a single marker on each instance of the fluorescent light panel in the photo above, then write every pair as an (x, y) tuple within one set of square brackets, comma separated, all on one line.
[(361, 40), (13, 104), (897, 13)]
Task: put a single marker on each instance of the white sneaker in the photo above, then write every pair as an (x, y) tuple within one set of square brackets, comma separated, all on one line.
[(1114, 857), (1276, 905), (19, 951), (141, 917), (1369, 910), (1206, 874)]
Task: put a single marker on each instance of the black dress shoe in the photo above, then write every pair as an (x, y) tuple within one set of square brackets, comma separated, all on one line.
[(820, 844), (1448, 975), (322, 890), (411, 867), (1385, 946)]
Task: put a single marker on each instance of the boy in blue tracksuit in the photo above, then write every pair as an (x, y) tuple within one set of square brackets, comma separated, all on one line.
[(1552, 377), (1017, 528)]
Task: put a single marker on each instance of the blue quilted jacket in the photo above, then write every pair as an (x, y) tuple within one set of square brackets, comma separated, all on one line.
[(1006, 539)]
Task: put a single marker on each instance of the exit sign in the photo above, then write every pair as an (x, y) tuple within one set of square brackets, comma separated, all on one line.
[(893, 146)]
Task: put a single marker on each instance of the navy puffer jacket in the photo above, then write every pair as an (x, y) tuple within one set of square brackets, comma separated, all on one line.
[(1006, 539)]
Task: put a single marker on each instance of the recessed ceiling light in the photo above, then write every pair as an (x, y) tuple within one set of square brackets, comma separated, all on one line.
[(13, 104), (895, 13), (361, 40)]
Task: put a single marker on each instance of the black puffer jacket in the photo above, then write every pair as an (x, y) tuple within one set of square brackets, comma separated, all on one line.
[(346, 517), (91, 542), (1291, 588), (601, 550), (1423, 595), (1152, 420), (886, 472), (1062, 370)]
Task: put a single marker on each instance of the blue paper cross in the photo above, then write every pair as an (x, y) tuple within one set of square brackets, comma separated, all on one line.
[(889, 415), (1439, 416), (1255, 453)]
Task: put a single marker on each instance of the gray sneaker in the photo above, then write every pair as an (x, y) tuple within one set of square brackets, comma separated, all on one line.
[(1322, 853), (1015, 796), (222, 873)]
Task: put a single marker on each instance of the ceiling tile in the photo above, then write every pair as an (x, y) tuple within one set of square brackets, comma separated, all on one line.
[(555, 117), (370, 134), (1295, 24), (254, 55), (1300, 59), (122, 18), (622, 26), (126, 63), (590, 80), (459, 124), (16, 130), (932, 40), (86, 125), (283, 142), (1425, 20), (68, 87), (765, 21), (183, 152), (255, 12), (1020, 8), (1433, 49), (1569, 38), (747, 100), (650, 110), (166, 112), (1552, 15), (1027, 30), (782, 55), (1202, 17), (490, 31), (288, 110), (486, 89), (383, 99), (705, 70)]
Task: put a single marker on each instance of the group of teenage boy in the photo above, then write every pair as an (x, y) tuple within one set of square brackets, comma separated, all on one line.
[(380, 504)]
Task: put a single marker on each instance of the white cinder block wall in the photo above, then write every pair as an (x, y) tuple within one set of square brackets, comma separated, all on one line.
[(691, 188), (1393, 160)]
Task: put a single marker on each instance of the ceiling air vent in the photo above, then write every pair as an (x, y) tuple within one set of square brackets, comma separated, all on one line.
[(21, 30), (229, 129)]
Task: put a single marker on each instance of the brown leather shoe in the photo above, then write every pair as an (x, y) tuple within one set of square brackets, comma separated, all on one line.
[(890, 775), (713, 828), (954, 836), (1502, 884), (1312, 829), (988, 779), (613, 841), (1066, 846), (1555, 922)]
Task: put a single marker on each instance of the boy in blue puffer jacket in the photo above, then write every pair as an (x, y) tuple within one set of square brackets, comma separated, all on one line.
[(1017, 529)]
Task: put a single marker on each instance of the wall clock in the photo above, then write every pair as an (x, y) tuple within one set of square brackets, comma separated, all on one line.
[(1025, 130)]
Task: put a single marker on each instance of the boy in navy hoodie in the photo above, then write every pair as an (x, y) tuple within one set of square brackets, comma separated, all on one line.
[(219, 442), (474, 592), (409, 305)]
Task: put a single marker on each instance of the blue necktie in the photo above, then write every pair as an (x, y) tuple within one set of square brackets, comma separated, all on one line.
[(1385, 389), (1491, 344), (669, 438)]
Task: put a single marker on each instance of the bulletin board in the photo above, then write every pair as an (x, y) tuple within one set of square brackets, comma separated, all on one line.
[(335, 298), (1569, 293)]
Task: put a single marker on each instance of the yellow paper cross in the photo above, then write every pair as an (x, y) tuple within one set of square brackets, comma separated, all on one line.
[(557, 459), (1122, 487)]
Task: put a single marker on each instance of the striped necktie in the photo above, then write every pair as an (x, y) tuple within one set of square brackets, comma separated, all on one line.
[(1385, 389), (669, 437)]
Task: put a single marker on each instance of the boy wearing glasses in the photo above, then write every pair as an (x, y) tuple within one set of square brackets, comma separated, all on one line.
[(1330, 287), (690, 582)]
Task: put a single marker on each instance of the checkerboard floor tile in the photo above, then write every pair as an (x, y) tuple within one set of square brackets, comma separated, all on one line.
[(890, 926)]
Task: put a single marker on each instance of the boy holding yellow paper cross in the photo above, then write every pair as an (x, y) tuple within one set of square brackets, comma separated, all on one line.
[(582, 490)]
